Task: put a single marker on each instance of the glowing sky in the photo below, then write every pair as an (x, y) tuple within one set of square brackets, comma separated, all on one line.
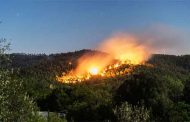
[(50, 26)]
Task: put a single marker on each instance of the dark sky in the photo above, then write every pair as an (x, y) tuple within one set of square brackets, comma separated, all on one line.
[(50, 26)]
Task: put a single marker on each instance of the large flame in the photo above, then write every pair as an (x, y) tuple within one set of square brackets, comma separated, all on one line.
[(126, 49), (93, 63)]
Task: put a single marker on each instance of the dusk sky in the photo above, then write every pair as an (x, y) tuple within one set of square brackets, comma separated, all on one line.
[(52, 26)]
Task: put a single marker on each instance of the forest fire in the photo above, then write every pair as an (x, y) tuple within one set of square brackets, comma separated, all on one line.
[(120, 50)]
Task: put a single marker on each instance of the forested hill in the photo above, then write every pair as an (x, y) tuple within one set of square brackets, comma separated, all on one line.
[(182, 61), (53, 62), (60, 60), (156, 91), (24, 60)]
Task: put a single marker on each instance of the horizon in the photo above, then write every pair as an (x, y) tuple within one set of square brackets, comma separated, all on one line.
[(88, 50), (46, 26)]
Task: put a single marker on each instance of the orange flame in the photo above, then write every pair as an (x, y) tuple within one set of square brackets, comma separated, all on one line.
[(92, 64)]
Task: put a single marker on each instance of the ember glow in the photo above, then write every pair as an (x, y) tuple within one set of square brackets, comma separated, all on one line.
[(124, 49), (94, 71)]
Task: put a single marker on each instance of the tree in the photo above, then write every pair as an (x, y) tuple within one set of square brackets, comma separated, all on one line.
[(146, 87), (15, 105), (180, 112), (186, 91), (129, 113)]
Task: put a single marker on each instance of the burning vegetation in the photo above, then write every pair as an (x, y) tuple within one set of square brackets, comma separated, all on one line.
[(120, 51)]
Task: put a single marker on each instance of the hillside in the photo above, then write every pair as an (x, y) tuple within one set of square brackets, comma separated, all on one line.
[(159, 88)]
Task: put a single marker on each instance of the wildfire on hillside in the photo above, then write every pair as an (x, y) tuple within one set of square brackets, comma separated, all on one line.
[(121, 50)]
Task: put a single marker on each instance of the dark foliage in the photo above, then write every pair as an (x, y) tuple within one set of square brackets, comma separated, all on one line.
[(163, 88)]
